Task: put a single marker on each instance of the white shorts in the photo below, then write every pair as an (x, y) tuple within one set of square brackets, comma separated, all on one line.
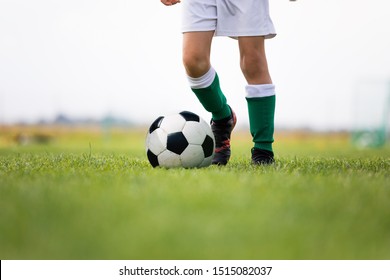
[(233, 18)]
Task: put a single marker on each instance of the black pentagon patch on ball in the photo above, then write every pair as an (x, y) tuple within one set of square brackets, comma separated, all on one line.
[(208, 146), (189, 116), (177, 142), (152, 159), (156, 124)]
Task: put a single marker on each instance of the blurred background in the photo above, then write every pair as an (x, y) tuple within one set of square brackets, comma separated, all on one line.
[(119, 62)]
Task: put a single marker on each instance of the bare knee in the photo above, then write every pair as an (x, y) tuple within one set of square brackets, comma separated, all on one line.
[(253, 60), (196, 65), (196, 52), (255, 69)]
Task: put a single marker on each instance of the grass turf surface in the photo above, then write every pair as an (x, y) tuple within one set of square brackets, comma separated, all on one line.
[(88, 195)]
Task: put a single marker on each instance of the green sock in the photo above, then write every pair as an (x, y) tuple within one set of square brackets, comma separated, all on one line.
[(261, 119), (213, 100)]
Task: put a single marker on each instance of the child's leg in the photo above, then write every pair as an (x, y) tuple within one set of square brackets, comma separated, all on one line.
[(202, 78), (210, 95), (204, 83), (260, 91)]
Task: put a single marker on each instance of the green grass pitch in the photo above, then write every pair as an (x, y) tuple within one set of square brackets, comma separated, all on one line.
[(88, 194)]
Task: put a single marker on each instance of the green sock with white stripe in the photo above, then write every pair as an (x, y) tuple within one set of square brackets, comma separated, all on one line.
[(261, 108), (208, 91)]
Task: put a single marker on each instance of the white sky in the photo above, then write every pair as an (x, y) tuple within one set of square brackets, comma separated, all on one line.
[(90, 58)]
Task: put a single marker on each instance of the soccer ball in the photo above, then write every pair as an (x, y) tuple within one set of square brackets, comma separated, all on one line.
[(180, 140)]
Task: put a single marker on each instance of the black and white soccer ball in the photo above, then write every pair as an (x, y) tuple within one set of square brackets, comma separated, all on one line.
[(180, 140)]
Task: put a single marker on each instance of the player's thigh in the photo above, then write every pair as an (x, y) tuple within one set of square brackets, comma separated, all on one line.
[(252, 46), (196, 50), (252, 53), (253, 59)]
